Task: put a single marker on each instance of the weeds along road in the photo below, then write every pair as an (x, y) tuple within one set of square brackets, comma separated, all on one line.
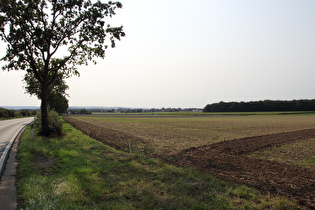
[(8, 128)]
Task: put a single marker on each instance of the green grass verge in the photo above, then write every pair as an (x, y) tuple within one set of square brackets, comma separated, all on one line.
[(77, 172)]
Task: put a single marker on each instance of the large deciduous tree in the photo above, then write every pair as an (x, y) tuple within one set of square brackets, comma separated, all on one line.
[(56, 92), (48, 38)]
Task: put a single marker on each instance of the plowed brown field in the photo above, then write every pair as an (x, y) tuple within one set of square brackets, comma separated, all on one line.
[(229, 160)]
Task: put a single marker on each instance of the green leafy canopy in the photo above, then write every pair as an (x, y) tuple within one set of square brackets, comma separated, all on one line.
[(49, 38), (36, 30)]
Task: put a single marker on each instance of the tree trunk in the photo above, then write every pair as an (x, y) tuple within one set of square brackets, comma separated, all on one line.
[(45, 131)]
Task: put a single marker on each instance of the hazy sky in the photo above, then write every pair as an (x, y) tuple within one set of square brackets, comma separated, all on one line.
[(182, 53)]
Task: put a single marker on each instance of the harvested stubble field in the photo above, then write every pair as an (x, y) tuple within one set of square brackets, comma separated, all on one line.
[(232, 147)]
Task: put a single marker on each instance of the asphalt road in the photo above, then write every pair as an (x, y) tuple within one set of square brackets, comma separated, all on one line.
[(8, 128), (8, 131)]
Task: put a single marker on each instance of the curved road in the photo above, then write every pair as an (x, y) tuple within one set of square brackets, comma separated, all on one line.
[(8, 128)]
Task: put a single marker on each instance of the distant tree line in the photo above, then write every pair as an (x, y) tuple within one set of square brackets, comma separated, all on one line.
[(129, 110), (79, 111), (6, 113), (261, 106)]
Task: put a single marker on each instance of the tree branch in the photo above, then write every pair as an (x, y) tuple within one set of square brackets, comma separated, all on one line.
[(67, 33)]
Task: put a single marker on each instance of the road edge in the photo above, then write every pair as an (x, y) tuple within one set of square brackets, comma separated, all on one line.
[(6, 152), (8, 194)]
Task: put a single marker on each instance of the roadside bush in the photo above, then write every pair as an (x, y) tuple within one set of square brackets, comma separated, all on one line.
[(5, 113), (2, 113), (25, 113), (54, 123)]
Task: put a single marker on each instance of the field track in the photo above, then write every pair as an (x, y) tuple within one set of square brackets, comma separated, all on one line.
[(228, 160)]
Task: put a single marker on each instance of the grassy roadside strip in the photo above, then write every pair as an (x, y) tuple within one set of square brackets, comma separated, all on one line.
[(77, 172)]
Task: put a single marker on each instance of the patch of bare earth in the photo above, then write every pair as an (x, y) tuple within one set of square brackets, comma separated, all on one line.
[(42, 163), (117, 139), (228, 160)]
